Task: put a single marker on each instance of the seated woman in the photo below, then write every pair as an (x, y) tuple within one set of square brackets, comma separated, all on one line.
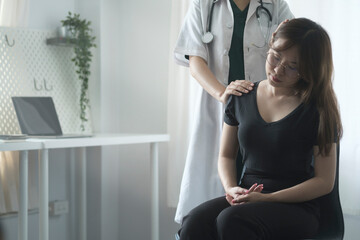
[(288, 121)]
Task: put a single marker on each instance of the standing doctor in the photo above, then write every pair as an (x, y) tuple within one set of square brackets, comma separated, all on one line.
[(223, 42)]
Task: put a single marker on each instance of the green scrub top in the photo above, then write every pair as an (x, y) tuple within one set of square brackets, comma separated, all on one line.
[(236, 56), (236, 53)]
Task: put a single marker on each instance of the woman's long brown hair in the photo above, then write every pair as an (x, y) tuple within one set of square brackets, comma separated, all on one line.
[(316, 74)]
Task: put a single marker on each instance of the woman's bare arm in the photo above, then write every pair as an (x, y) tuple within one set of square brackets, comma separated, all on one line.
[(321, 184), (227, 156), (227, 165)]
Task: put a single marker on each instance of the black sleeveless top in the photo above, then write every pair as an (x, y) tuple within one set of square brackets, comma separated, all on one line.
[(277, 154)]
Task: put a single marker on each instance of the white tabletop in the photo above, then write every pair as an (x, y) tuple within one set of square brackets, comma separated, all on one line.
[(19, 145), (95, 140)]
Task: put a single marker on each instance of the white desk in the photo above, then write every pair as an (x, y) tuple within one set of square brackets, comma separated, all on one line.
[(98, 140), (24, 147)]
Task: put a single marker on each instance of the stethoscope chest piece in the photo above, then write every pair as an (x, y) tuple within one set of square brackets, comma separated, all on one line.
[(207, 37)]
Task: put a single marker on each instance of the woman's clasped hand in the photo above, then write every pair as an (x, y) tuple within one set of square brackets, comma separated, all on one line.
[(238, 195)]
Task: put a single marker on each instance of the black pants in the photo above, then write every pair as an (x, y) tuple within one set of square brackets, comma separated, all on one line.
[(217, 220)]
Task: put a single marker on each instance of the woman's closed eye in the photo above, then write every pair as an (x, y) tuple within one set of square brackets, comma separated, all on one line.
[(277, 57), (293, 68)]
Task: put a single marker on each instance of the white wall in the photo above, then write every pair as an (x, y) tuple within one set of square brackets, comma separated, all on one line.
[(134, 61), (45, 14), (134, 71)]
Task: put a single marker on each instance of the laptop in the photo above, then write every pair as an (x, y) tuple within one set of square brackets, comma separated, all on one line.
[(38, 118)]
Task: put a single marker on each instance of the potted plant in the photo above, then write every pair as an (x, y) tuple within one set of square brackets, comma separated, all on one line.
[(80, 34)]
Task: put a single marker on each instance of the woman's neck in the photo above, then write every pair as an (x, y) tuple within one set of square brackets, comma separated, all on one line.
[(280, 92)]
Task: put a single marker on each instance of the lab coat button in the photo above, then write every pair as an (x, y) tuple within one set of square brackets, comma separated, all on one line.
[(229, 25), (226, 52)]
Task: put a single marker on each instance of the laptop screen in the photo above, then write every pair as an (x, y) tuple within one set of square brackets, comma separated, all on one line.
[(37, 116)]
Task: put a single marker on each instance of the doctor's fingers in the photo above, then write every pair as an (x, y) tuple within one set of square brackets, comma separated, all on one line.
[(243, 84), (274, 33), (237, 88), (232, 90)]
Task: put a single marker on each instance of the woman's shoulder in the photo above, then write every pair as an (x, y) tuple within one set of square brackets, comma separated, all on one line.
[(245, 98)]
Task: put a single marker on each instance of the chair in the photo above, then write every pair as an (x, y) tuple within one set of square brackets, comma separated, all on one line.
[(331, 216), (331, 220)]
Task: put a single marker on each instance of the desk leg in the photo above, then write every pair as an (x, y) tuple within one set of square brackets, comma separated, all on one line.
[(23, 195), (44, 194), (154, 165), (82, 193)]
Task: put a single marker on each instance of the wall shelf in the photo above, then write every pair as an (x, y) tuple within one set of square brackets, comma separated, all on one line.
[(63, 42)]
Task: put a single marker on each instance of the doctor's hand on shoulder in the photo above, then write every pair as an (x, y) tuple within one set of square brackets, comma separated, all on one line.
[(202, 73), (237, 88)]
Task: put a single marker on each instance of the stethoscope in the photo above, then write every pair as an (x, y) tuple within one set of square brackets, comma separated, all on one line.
[(208, 36)]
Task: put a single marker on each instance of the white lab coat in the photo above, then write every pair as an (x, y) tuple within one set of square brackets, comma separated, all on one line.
[(200, 180)]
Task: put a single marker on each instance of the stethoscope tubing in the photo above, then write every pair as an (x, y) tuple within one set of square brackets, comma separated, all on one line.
[(208, 36), (261, 7), (211, 14)]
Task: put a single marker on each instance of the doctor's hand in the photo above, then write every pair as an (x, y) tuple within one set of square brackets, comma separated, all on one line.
[(236, 192), (274, 33), (237, 88)]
